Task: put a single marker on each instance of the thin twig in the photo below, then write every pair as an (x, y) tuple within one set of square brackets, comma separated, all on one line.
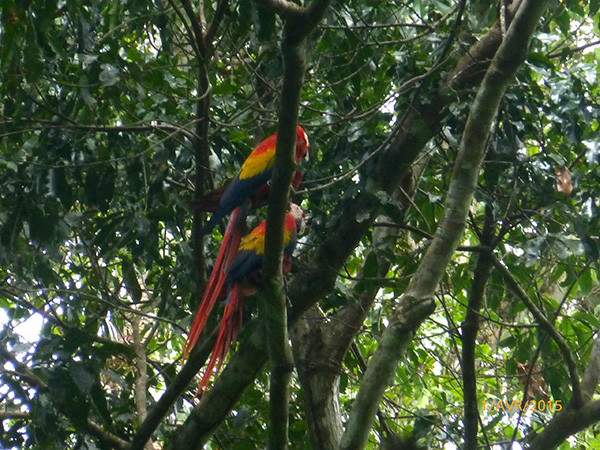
[(547, 326)]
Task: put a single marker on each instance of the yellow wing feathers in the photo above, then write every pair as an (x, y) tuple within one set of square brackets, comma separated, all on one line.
[(255, 241), (257, 163)]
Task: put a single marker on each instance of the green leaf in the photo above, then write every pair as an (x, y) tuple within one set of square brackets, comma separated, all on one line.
[(587, 318), (585, 282), (130, 278), (541, 60)]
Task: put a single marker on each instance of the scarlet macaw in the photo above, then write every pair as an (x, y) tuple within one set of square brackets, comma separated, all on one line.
[(255, 173), (241, 281), (251, 183)]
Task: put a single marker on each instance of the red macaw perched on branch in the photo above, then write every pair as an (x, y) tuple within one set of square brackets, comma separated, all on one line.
[(251, 183), (242, 280), (254, 175)]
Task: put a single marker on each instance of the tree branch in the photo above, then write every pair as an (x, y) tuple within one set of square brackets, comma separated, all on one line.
[(172, 129), (470, 328), (23, 372), (275, 309), (224, 393), (141, 378), (546, 325), (18, 415), (21, 369), (566, 424), (201, 143), (417, 300), (284, 8), (198, 32), (318, 372), (111, 346), (589, 380), (320, 345), (196, 360), (216, 21)]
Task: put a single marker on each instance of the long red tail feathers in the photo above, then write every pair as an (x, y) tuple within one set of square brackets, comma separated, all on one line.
[(229, 247), (230, 324)]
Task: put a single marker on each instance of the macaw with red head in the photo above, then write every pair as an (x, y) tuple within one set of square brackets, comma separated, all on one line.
[(241, 280), (253, 180)]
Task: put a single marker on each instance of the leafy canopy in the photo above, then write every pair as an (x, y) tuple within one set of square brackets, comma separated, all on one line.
[(107, 135)]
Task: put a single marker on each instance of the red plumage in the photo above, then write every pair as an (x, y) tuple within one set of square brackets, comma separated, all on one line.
[(238, 277), (254, 175)]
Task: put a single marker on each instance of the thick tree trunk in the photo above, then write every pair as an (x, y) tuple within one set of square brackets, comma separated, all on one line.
[(319, 377), (321, 343)]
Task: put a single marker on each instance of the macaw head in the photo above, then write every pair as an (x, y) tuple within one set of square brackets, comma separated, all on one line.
[(299, 217), (301, 144)]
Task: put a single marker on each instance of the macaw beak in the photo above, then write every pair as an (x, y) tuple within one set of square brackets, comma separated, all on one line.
[(307, 146), (299, 216)]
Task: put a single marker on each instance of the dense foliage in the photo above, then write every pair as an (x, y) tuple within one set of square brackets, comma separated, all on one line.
[(115, 116)]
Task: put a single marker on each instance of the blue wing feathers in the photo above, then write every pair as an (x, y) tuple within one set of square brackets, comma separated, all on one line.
[(289, 249), (235, 194), (246, 261)]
